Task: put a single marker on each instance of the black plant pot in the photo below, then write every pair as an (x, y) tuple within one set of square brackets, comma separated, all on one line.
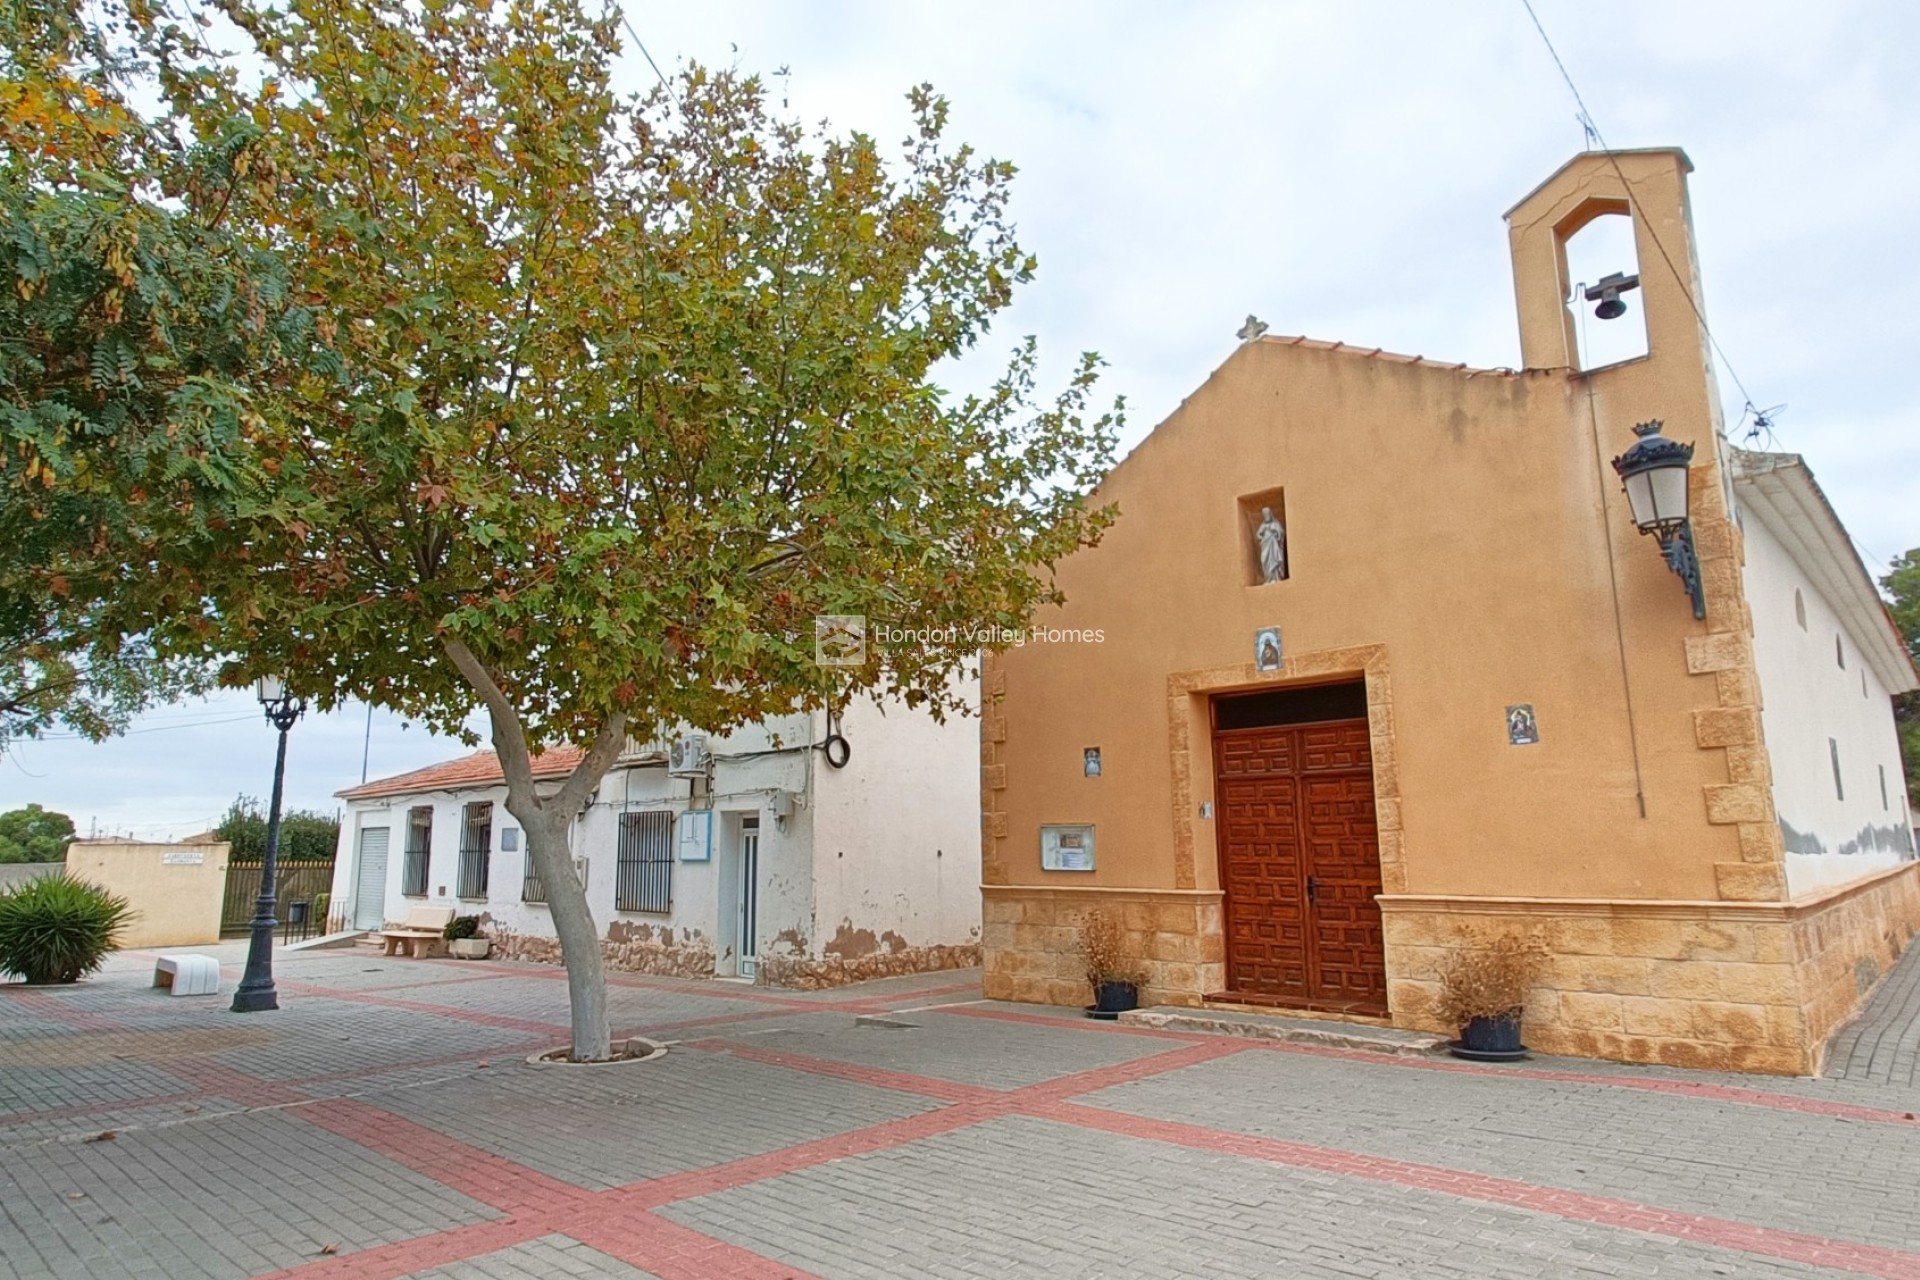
[(1494, 1039), (1111, 999)]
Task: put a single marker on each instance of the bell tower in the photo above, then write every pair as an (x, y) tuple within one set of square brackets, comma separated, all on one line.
[(1649, 187), (1672, 382)]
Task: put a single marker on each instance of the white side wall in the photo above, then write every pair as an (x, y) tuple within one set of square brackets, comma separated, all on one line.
[(897, 832), (1812, 700)]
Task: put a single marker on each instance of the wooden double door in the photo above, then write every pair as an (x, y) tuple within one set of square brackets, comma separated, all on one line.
[(1300, 865)]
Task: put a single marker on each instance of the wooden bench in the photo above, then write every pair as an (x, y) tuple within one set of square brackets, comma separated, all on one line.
[(419, 931)]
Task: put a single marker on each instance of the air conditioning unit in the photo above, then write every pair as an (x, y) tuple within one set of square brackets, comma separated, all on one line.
[(689, 757)]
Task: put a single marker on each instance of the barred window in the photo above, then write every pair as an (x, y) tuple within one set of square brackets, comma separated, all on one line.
[(476, 849), (413, 874), (643, 872)]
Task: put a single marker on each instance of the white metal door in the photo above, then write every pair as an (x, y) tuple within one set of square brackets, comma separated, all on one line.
[(749, 897), (370, 888)]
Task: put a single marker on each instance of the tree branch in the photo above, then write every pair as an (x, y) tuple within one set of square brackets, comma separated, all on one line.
[(509, 738), (606, 748)]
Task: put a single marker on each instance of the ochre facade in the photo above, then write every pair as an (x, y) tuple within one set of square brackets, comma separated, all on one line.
[(1458, 546)]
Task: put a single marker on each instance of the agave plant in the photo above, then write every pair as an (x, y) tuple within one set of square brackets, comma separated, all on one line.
[(58, 929)]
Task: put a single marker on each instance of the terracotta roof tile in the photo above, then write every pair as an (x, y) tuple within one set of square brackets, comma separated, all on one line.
[(481, 769), (1376, 353)]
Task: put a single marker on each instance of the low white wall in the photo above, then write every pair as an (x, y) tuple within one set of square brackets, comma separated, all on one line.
[(1817, 701)]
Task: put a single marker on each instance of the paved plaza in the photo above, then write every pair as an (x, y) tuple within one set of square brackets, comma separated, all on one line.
[(385, 1122)]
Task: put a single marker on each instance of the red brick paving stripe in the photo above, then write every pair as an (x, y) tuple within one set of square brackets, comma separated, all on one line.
[(673, 1187), (1792, 1246), (493, 1180), (879, 1077), (674, 1252)]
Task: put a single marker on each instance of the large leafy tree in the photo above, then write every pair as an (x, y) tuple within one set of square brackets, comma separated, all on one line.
[(131, 326), (631, 391), (1902, 584), (34, 834)]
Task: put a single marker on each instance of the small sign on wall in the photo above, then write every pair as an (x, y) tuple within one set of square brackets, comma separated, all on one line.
[(696, 835), (1522, 729), (182, 859), (1066, 848)]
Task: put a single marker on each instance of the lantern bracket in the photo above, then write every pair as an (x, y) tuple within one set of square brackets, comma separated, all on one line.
[(1677, 546)]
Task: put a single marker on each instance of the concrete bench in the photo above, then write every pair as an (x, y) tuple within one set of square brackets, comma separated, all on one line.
[(418, 932), (187, 975)]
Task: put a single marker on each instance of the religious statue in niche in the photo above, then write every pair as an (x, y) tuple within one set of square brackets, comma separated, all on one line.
[(1270, 537), (1522, 729)]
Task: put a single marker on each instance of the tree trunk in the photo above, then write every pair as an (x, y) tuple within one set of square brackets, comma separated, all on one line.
[(572, 923), (545, 820)]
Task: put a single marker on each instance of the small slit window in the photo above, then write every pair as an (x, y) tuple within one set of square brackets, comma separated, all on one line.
[(1839, 653), (1799, 608), (1839, 788), (1883, 788)]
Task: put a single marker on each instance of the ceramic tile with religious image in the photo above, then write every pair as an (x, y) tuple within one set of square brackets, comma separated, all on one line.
[(1091, 762), (1066, 848), (1266, 649), (1522, 729)]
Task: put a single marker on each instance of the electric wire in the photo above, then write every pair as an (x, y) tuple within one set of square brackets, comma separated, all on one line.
[(642, 46), (1762, 422)]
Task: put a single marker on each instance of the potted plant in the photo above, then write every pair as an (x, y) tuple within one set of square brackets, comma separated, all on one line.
[(1483, 992), (1115, 978), (464, 940)]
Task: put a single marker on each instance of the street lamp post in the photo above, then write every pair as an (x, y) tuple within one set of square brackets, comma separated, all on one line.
[(256, 985)]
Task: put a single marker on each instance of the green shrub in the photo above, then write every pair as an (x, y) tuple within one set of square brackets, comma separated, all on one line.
[(461, 927), (58, 929)]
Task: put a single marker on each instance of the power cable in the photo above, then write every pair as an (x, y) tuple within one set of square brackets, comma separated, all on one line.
[(642, 46), (1762, 419)]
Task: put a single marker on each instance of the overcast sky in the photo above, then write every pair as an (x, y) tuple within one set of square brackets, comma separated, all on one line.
[(1339, 170)]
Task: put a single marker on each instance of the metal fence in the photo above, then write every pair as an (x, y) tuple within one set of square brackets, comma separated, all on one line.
[(643, 870), (298, 890)]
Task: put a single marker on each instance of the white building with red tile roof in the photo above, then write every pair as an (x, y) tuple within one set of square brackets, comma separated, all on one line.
[(768, 856)]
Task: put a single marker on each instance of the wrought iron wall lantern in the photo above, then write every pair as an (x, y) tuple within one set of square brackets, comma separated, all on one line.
[(1654, 474)]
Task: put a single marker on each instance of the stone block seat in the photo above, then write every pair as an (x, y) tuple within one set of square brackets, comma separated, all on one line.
[(185, 975)]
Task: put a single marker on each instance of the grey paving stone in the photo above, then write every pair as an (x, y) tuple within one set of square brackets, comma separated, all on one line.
[(1882, 1045), (1693, 1154), (1020, 1197), (233, 1196), (602, 1127), (978, 1051), (548, 1258)]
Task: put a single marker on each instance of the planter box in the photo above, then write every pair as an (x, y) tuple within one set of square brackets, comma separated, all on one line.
[(469, 948)]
